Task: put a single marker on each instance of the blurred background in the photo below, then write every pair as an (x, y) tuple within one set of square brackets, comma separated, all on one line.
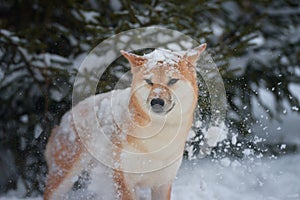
[(255, 44)]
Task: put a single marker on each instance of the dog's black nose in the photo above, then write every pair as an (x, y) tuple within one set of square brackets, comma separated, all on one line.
[(157, 101), (157, 105)]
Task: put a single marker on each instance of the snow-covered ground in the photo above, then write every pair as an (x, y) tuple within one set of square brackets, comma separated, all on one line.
[(267, 179), (264, 179)]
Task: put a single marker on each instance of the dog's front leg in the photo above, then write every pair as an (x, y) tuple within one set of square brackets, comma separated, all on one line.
[(161, 192), (125, 191)]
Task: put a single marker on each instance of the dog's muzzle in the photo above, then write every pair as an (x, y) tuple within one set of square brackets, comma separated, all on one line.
[(157, 105)]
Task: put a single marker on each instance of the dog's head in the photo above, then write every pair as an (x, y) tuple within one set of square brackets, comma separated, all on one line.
[(165, 81)]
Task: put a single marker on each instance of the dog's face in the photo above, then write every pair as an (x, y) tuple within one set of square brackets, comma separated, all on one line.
[(165, 81)]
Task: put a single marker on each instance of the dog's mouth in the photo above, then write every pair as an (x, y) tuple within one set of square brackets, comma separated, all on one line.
[(157, 109), (158, 106)]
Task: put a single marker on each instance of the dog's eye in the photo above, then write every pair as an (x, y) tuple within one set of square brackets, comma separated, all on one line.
[(148, 81), (173, 81)]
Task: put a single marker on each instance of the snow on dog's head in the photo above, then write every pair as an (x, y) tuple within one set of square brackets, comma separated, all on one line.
[(164, 81)]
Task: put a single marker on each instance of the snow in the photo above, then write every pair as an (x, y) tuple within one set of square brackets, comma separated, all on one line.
[(295, 90), (162, 55), (284, 131), (232, 180), (295, 108), (234, 138), (215, 134), (37, 130), (157, 90), (90, 16), (115, 5), (56, 94), (229, 179), (217, 29), (2, 74)]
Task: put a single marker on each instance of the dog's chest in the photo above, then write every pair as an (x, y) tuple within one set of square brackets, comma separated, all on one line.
[(155, 177)]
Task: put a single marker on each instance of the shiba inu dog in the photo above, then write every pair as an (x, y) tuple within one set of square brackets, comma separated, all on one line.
[(138, 134)]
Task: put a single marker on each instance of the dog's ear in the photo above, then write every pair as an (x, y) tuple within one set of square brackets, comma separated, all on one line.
[(193, 55), (135, 61)]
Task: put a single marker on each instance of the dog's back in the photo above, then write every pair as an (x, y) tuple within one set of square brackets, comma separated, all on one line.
[(72, 146)]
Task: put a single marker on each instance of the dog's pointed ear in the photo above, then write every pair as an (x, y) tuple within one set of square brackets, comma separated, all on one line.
[(193, 55), (135, 61)]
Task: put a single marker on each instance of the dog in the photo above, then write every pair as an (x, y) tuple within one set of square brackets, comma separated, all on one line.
[(148, 123)]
